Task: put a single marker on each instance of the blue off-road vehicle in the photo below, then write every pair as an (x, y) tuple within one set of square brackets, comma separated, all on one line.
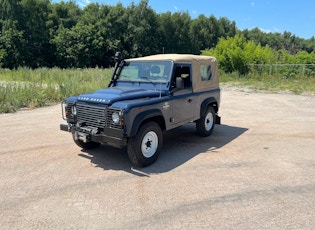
[(145, 97)]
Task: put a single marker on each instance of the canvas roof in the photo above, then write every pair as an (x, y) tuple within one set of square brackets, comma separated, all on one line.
[(197, 61), (174, 57)]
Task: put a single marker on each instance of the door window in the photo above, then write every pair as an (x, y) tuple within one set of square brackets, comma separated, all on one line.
[(183, 71)]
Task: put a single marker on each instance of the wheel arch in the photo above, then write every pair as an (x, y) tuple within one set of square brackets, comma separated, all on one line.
[(154, 115), (211, 101)]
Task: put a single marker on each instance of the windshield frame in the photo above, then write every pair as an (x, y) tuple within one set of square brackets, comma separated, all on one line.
[(152, 71)]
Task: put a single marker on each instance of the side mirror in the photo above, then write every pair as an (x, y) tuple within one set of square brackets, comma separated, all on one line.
[(179, 83), (118, 56)]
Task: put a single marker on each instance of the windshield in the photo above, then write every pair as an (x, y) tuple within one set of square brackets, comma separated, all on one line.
[(146, 71)]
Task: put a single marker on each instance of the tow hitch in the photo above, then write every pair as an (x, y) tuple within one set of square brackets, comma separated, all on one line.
[(81, 136), (84, 133)]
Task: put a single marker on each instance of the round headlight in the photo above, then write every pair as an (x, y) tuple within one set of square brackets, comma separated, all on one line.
[(115, 118), (74, 110)]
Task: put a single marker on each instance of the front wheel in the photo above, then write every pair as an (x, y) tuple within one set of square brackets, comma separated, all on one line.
[(143, 149), (206, 122)]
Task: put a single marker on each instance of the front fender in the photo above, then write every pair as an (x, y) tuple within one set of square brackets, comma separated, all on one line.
[(141, 117)]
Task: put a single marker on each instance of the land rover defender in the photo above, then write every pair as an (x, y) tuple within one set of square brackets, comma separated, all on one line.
[(145, 97)]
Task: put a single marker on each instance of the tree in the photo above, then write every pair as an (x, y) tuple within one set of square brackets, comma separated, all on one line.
[(79, 46), (11, 38), (35, 32), (236, 54), (10, 10), (65, 14), (38, 33), (142, 35), (309, 45), (177, 35), (11, 45), (113, 25), (226, 28), (279, 41), (206, 31)]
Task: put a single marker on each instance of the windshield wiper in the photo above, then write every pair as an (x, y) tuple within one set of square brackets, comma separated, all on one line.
[(148, 78), (155, 81)]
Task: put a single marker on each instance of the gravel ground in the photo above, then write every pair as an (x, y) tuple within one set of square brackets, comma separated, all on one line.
[(257, 171)]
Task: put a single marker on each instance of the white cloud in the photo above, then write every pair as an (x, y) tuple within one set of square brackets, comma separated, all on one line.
[(274, 30), (265, 30), (176, 8), (84, 3)]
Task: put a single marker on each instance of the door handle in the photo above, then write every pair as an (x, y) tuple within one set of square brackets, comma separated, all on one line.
[(189, 100)]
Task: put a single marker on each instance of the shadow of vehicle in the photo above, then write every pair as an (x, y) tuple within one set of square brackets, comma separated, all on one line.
[(180, 145)]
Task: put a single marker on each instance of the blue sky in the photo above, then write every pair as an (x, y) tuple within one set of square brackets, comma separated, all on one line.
[(297, 17)]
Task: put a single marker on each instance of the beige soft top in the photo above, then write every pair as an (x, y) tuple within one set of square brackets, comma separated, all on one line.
[(175, 57), (196, 61)]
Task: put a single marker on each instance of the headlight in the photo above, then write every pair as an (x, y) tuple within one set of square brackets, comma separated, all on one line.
[(115, 118), (74, 110)]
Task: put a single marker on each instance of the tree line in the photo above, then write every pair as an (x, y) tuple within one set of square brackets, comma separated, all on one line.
[(39, 33), (237, 54)]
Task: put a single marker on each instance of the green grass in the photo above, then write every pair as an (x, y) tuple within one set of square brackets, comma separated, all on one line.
[(41, 87), (271, 83), (36, 88)]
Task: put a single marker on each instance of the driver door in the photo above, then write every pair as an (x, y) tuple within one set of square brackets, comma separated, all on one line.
[(182, 102)]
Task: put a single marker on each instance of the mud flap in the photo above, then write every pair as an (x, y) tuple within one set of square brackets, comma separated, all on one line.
[(217, 120)]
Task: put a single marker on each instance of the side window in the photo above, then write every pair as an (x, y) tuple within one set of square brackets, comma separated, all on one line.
[(184, 72), (205, 72)]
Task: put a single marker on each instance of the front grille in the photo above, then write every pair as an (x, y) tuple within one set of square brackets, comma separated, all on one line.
[(96, 116), (91, 115)]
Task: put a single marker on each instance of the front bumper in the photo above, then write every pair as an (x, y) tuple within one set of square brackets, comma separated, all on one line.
[(112, 136)]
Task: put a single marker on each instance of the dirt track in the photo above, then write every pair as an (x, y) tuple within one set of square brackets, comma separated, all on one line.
[(257, 171)]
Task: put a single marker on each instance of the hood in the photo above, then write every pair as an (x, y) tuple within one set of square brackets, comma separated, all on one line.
[(111, 95)]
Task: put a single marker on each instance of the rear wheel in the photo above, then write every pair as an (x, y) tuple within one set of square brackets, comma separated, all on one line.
[(143, 149), (205, 124), (84, 145)]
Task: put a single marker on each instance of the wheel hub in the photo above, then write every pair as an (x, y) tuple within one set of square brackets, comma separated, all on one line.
[(149, 144), (208, 121)]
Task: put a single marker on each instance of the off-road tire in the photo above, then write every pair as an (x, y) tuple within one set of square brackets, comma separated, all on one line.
[(143, 148), (83, 145), (205, 124)]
